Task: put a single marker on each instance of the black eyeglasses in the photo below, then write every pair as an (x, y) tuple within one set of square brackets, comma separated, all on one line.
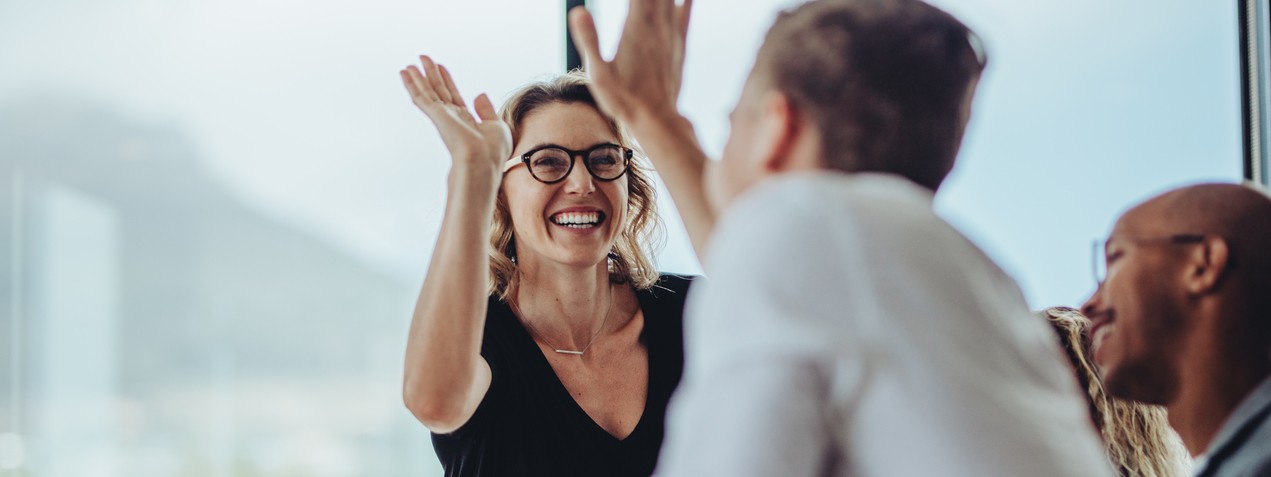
[(1099, 260), (552, 164)]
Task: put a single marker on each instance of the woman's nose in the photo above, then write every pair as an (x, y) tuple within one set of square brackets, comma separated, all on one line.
[(579, 180)]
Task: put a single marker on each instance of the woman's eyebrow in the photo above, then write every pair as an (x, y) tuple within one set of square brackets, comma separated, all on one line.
[(543, 145), (550, 144), (533, 148)]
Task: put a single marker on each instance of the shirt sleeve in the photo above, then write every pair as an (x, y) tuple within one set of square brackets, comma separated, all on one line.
[(754, 399)]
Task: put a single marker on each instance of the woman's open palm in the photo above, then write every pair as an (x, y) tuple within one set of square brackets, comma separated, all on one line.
[(481, 140)]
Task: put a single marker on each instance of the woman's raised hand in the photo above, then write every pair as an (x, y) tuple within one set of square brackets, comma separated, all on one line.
[(445, 376), (481, 141)]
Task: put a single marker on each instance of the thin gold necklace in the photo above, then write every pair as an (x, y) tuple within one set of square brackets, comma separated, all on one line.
[(603, 322)]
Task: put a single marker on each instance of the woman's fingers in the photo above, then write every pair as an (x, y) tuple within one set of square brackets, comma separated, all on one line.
[(422, 91), (485, 108), (433, 75), (409, 83), (455, 98), (434, 91)]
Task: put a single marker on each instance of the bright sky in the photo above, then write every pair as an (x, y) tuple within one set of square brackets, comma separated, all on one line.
[(296, 107)]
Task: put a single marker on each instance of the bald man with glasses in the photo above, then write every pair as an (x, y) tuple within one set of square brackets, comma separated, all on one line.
[(1183, 319)]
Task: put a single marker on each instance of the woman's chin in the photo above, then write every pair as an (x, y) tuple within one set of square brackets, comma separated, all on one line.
[(576, 257)]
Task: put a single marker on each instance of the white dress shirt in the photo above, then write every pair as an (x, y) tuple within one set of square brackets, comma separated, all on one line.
[(844, 329)]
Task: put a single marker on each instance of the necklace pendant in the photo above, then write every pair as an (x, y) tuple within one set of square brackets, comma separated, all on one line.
[(566, 351)]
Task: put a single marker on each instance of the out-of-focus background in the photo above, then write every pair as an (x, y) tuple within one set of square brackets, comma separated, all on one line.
[(214, 215)]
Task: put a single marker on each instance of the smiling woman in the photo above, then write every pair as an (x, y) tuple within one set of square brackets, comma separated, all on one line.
[(567, 365)]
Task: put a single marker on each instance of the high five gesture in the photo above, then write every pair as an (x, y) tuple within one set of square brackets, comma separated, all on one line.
[(484, 140)]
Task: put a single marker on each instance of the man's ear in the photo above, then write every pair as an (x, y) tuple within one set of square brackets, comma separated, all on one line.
[(779, 127), (1208, 265)]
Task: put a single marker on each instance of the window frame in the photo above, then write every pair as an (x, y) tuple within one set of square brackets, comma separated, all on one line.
[(573, 61), (1255, 74)]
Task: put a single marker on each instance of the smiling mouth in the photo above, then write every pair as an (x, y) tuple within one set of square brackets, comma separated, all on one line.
[(1098, 336), (578, 220)]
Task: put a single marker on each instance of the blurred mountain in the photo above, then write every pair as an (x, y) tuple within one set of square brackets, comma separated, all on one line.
[(206, 288), (196, 264)]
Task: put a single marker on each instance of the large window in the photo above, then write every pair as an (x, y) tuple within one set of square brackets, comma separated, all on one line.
[(215, 217), (215, 214)]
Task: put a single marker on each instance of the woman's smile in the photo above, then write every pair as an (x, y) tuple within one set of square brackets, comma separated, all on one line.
[(578, 219)]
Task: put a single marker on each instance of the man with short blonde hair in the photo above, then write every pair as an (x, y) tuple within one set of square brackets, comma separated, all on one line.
[(846, 329)]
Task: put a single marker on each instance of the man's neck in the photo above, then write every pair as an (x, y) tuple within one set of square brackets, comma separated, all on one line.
[(1211, 386)]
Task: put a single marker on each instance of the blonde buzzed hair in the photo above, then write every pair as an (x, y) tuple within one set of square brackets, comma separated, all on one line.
[(642, 231), (888, 83), (1138, 438)]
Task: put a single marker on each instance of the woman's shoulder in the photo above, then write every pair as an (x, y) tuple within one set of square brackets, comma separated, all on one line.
[(496, 308), (667, 295), (671, 286), (500, 325)]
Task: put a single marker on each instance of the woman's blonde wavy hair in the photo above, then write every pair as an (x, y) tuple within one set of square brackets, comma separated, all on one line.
[(1138, 438), (642, 233)]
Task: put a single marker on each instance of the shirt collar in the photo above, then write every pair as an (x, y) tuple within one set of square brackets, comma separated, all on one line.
[(1250, 409)]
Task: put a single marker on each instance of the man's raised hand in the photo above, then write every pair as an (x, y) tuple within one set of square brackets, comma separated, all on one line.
[(642, 81)]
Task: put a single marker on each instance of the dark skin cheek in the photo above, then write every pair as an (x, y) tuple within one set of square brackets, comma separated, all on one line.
[(1150, 329), (1163, 323)]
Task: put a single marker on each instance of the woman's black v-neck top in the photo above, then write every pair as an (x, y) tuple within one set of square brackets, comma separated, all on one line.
[(529, 425)]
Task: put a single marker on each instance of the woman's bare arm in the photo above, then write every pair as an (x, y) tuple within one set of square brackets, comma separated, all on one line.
[(445, 377)]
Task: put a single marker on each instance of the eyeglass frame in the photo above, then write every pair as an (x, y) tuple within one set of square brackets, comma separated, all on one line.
[(1100, 249), (627, 155)]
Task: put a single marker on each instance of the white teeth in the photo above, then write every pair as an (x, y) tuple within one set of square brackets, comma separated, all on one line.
[(577, 219), (1097, 340)]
